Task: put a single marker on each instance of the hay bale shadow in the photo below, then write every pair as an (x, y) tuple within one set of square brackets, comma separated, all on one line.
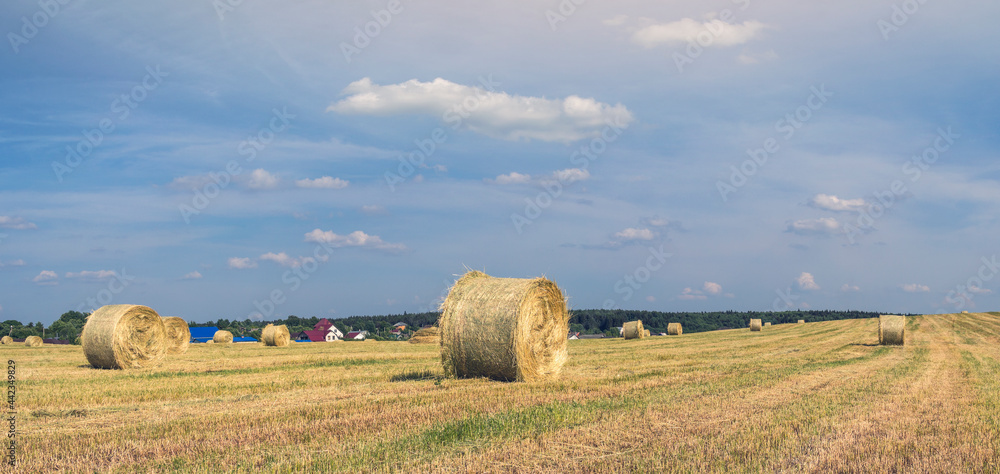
[(416, 375)]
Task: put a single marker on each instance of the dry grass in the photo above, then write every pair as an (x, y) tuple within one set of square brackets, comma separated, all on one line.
[(820, 398)]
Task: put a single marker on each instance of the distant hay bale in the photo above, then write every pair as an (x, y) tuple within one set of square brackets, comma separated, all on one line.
[(755, 325), (674, 329), (767, 324), (431, 335), (277, 336), (6, 340), (891, 330), (646, 332), (178, 335), (802, 321), (503, 328), (965, 312), (124, 336), (633, 330), (222, 337), (33, 341)]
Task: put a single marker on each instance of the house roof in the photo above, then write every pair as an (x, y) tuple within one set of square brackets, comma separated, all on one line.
[(244, 339), (399, 324), (316, 335), (323, 325), (203, 333), (353, 334)]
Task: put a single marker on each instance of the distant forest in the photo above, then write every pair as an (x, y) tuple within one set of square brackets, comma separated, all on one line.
[(586, 321)]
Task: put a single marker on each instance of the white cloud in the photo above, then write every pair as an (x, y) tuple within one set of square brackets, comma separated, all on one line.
[(494, 114), (689, 294), (712, 288), (571, 175), (915, 288), (16, 223), (261, 180), (806, 282), (821, 226), (13, 263), (242, 263), (512, 178), (46, 277), (686, 30), (92, 276), (282, 259), (635, 234), (195, 275), (848, 288), (354, 239), (325, 182), (833, 203), (979, 291)]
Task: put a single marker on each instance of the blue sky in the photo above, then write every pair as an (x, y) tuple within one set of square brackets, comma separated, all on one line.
[(220, 160)]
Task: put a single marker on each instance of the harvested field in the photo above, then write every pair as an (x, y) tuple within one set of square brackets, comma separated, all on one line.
[(823, 397)]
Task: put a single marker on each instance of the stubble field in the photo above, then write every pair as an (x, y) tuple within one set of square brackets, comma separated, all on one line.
[(813, 397)]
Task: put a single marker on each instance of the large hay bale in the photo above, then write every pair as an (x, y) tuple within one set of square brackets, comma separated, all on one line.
[(178, 335), (674, 329), (755, 325), (503, 328), (33, 341), (6, 340), (802, 321), (124, 336), (277, 336), (431, 335), (767, 324), (891, 330), (222, 337), (633, 330)]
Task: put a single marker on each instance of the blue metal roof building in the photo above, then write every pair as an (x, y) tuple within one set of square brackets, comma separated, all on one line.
[(203, 334), (244, 339)]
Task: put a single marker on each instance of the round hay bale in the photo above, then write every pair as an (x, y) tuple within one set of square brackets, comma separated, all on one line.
[(222, 337), (674, 329), (891, 330), (767, 324), (6, 340), (802, 321), (755, 325), (33, 341), (178, 335), (277, 336), (431, 335), (965, 312), (124, 336), (633, 330), (503, 328), (646, 332)]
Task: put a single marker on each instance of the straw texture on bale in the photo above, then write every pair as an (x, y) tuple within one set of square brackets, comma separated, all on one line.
[(755, 325), (646, 332), (674, 329), (503, 328), (277, 336), (178, 335), (33, 341), (431, 335), (6, 340), (222, 337), (767, 324), (124, 336), (633, 330), (802, 321), (891, 330)]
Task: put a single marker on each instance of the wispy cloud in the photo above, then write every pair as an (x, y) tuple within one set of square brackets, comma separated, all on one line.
[(833, 203), (195, 275), (823, 226), (354, 239), (915, 288), (686, 30), (16, 223), (88, 275), (261, 180), (326, 182), (806, 282), (242, 263), (46, 277), (494, 114), (12, 263)]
